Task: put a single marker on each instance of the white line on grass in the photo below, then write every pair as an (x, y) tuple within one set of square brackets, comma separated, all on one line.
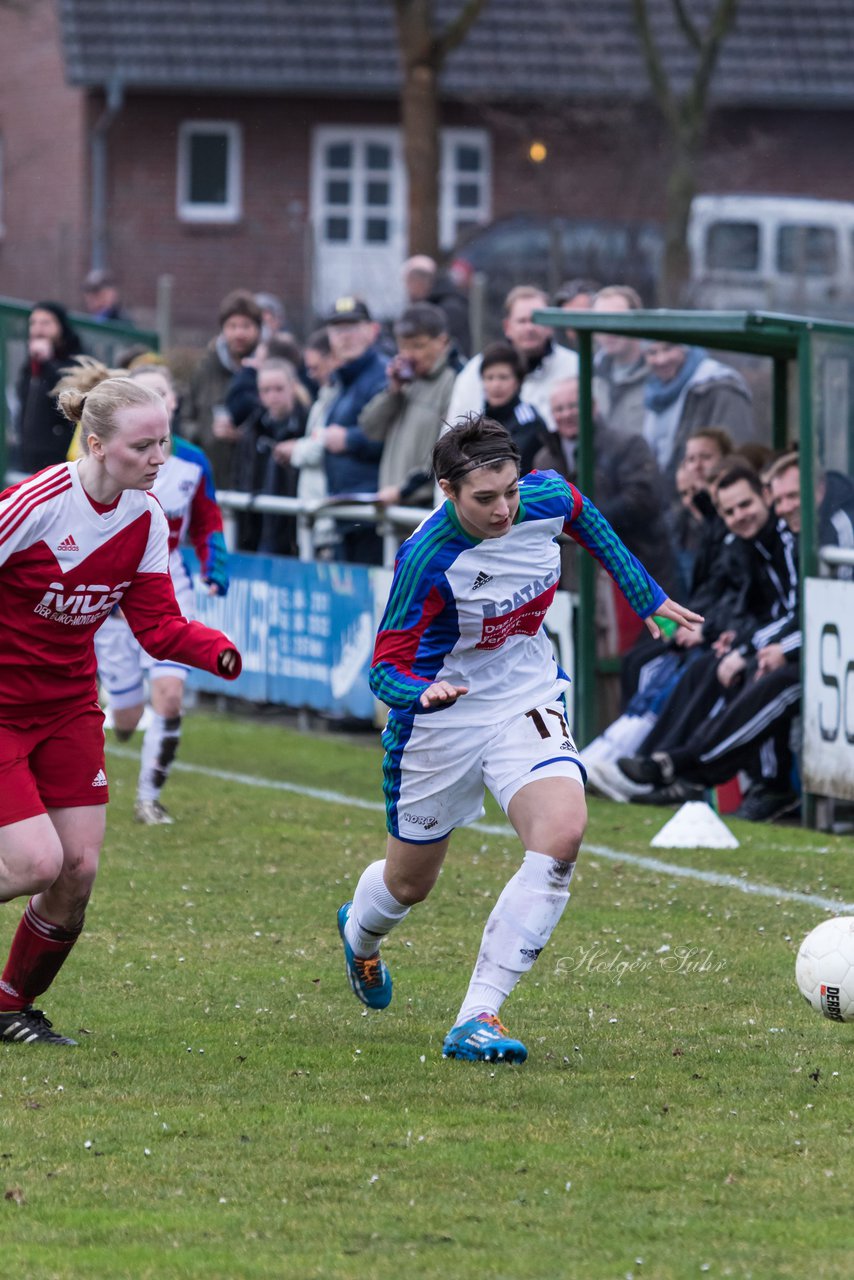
[(715, 878)]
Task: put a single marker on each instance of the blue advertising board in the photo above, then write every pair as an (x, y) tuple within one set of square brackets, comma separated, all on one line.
[(305, 632)]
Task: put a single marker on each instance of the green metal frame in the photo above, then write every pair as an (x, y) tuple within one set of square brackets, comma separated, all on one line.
[(784, 339), (104, 339)]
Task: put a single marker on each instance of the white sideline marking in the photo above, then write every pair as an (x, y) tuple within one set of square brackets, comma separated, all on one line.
[(715, 878)]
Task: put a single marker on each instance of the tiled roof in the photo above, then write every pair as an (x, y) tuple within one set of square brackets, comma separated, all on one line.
[(781, 52)]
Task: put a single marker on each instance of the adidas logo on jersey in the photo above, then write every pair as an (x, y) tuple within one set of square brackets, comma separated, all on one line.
[(68, 544), (481, 580), (100, 779)]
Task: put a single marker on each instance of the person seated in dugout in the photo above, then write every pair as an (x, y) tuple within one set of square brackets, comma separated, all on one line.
[(734, 711), (693, 522), (734, 605)]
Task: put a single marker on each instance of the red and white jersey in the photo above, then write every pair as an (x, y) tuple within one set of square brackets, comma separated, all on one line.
[(185, 489), (63, 568)]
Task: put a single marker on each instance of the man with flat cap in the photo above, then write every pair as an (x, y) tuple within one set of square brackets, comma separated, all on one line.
[(351, 460)]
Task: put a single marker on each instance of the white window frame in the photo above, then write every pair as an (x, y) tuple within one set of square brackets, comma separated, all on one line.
[(448, 175), (356, 211), (232, 208), (449, 213)]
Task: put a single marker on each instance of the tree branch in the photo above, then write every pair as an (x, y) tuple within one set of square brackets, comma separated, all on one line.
[(685, 115), (654, 65), (721, 23), (455, 32), (689, 29)]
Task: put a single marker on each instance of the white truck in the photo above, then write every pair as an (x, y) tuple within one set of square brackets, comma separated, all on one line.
[(791, 254)]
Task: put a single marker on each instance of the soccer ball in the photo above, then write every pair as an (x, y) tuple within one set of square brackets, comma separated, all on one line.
[(824, 969)]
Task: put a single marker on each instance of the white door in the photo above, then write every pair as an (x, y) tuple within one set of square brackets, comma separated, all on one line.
[(358, 207)]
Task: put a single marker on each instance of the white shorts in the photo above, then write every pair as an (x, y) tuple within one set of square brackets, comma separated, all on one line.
[(434, 776), (123, 664)]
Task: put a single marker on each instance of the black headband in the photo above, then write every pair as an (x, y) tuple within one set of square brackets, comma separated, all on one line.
[(475, 464)]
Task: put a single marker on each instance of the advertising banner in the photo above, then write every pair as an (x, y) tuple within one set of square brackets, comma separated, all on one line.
[(828, 703), (306, 633)]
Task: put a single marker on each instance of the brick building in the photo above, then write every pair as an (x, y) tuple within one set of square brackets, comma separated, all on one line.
[(259, 143)]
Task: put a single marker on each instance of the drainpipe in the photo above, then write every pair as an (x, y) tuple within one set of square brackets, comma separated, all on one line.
[(114, 93)]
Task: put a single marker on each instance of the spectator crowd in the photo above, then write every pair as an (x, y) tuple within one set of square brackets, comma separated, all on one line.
[(681, 470)]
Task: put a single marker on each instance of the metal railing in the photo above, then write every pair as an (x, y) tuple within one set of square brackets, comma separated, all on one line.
[(394, 523), (836, 557)]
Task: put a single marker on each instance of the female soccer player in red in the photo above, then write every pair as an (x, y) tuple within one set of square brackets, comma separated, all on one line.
[(476, 700), (75, 540), (185, 490)]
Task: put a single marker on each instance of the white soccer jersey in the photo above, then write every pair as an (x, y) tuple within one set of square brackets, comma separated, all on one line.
[(185, 489), (63, 568), (471, 610)]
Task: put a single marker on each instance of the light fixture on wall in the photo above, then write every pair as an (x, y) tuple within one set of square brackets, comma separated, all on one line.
[(537, 152)]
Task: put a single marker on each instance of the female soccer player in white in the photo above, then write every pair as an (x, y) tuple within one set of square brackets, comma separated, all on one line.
[(75, 540), (185, 489), (476, 699)]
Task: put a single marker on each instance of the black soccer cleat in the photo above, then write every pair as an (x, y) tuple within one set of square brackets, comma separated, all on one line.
[(762, 804), (676, 792), (655, 770), (30, 1026)]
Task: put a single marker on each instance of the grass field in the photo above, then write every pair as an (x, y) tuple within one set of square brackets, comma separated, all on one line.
[(232, 1112)]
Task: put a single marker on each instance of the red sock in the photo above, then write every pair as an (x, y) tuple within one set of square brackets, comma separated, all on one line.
[(37, 954)]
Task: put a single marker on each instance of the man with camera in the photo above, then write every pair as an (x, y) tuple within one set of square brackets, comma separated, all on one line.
[(409, 414)]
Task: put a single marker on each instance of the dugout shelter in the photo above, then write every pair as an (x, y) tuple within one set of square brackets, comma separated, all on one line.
[(812, 405)]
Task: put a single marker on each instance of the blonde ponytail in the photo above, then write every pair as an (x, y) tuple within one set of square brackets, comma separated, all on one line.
[(90, 394)]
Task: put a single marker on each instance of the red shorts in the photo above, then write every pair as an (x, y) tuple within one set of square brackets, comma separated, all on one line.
[(52, 764)]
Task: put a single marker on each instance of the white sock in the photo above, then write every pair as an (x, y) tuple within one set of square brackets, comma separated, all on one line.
[(159, 744), (520, 925), (374, 912)]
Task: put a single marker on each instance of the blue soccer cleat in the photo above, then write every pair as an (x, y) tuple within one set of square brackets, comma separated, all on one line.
[(369, 978), (483, 1039)]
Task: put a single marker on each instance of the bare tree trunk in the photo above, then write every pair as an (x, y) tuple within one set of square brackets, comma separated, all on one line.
[(423, 51), (681, 189), (420, 119), (686, 118)]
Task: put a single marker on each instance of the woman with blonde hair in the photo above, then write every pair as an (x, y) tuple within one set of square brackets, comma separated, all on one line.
[(185, 489), (76, 539)]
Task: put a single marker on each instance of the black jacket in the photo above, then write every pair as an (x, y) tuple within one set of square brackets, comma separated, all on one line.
[(43, 431), (764, 572), (256, 471), (527, 428)]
